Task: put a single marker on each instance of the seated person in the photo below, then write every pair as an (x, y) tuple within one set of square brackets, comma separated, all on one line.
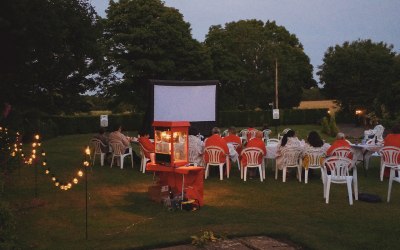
[(392, 139), (146, 143), (233, 138), (216, 140), (339, 142), (196, 147), (289, 139), (104, 139), (256, 142), (314, 142), (117, 135)]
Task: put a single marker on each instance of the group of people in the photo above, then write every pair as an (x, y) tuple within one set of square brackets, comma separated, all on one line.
[(197, 145)]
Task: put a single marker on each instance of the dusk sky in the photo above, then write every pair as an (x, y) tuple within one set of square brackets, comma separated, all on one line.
[(318, 24)]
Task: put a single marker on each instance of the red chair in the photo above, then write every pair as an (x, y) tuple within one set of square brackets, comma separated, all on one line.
[(215, 156)]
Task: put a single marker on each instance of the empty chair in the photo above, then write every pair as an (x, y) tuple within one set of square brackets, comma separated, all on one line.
[(337, 171), (254, 159), (266, 133), (291, 159), (243, 135), (375, 134), (393, 177), (215, 156), (96, 148), (389, 158), (119, 151), (236, 158)]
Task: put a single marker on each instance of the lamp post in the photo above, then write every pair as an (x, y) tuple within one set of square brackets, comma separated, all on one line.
[(86, 164)]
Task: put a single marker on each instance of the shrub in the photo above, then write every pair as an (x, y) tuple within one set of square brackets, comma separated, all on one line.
[(325, 126), (333, 129)]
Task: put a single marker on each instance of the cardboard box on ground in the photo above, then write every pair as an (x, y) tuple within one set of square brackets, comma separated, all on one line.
[(157, 193)]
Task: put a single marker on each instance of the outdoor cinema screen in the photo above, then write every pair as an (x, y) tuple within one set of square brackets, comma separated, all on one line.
[(195, 103)]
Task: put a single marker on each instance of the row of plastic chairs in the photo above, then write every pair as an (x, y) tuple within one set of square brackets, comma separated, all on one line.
[(117, 149)]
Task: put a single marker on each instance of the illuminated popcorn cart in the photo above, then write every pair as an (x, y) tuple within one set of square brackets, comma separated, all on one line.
[(171, 142)]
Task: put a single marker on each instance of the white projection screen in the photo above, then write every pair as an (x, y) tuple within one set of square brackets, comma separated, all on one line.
[(184, 103), (192, 101)]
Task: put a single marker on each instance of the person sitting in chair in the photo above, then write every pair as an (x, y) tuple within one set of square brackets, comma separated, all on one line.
[(233, 138), (117, 135), (339, 142), (145, 142), (104, 139)]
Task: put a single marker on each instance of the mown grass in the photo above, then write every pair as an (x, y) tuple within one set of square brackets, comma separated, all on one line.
[(120, 215)]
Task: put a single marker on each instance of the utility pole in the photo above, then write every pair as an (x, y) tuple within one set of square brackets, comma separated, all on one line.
[(276, 84)]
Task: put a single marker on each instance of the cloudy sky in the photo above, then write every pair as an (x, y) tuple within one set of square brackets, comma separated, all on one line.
[(318, 24)]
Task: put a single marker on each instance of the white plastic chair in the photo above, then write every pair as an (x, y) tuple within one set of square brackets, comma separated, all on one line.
[(266, 133), (216, 157), (346, 152), (243, 135), (337, 171), (144, 159), (272, 140), (291, 159), (96, 149), (254, 157), (389, 156), (376, 133), (119, 151), (315, 157), (236, 146), (392, 178), (225, 133)]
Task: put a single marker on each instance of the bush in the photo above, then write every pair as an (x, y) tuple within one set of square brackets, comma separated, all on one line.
[(325, 126), (333, 129)]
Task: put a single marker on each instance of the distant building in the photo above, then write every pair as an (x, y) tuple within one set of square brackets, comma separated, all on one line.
[(331, 105)]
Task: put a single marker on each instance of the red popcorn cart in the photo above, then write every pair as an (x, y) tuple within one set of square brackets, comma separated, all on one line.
[(171, 143)]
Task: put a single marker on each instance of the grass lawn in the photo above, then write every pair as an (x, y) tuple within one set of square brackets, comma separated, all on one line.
[(122, 217)]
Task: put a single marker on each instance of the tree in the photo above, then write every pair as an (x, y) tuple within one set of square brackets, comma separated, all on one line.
[(244, 55), (147, 40), (359, 74), (48, 48)]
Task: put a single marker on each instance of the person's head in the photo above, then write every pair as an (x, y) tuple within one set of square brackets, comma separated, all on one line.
[(215, 130), (314, 139), (340, 136), (144, 133), (102, 130), (259, 134), (232, 130), (396, 129), (265, 126), (289, 133), (193, 131), (117, 127)]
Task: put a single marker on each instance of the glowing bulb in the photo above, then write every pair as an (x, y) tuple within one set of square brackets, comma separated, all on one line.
[(53, 178), (57, 184), (34, 151), (69, 185), (80, 173), (86, 163), (75, 180), (87, 150), (33, 156), (47, 171), (43, 154), (39, 144), (44, 163), (37, 137), (34, 144)]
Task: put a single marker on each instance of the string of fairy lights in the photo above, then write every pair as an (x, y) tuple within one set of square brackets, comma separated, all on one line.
[(37, 156)]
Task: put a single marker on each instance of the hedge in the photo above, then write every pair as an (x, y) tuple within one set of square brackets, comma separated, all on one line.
[(51, 126)]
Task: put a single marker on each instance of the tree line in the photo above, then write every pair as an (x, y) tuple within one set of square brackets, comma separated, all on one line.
[(53, 52)]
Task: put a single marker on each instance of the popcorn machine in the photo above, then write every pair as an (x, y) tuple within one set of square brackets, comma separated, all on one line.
[(171, 142)]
